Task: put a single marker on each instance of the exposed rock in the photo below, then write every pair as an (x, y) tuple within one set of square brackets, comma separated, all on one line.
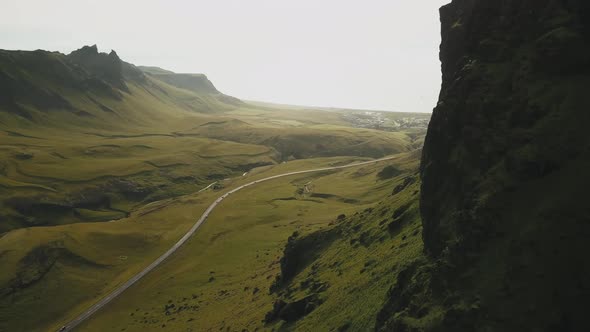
[(495, 115), (107, 67), (301, 251), (504, 170), (292, 311), (400, 187)]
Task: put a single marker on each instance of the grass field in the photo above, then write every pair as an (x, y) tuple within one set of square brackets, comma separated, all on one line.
[(94, 257), (220, 280)]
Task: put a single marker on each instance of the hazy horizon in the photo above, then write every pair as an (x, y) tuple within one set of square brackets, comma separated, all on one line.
[(379, 55)]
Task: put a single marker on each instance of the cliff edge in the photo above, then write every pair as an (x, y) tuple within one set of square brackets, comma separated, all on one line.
[(504, 175)]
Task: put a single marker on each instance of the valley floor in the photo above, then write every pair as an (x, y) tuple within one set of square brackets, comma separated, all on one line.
[(222, 277), (119, 290), (89, 198)]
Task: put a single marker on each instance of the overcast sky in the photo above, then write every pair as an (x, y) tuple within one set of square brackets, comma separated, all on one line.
[(371, 54)]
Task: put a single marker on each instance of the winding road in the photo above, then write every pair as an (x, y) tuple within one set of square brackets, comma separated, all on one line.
[(105, 300)]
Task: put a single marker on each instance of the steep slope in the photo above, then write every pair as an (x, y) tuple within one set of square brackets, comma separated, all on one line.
[(504, 175), (198, 83), (191, 82), (335, 279), (107, 67)]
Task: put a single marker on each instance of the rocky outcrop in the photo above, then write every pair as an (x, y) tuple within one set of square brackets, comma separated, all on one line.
[(292, 311), (42, 80), (510, 109), (299, 252), (107, 67), (504, 173)]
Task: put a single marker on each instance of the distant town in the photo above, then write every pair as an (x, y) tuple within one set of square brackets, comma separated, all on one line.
[(387, 121)]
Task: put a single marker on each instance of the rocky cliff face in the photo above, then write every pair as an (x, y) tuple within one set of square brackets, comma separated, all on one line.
[(511, 106), (107, 67), (504, 172)]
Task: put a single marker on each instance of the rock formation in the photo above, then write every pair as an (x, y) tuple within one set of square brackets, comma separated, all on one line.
[(504, 175)]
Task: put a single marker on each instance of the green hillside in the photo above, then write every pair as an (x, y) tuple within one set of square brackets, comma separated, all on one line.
[(89, 137), (336, 245)]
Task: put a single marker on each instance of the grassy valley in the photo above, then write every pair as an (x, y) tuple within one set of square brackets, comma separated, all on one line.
[(117, 143), (105, 165), (223, 278)]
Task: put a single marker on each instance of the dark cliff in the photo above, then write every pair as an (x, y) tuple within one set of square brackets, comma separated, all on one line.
[(107, 67), (512, 109), (504, 175)]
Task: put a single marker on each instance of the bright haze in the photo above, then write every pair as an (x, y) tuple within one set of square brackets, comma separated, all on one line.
[(372, 54)]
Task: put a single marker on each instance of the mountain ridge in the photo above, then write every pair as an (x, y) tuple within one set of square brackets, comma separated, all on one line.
[(41, 81), (198, 83)]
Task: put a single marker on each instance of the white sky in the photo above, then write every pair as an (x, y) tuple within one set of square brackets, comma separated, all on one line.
[(371, 54)]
